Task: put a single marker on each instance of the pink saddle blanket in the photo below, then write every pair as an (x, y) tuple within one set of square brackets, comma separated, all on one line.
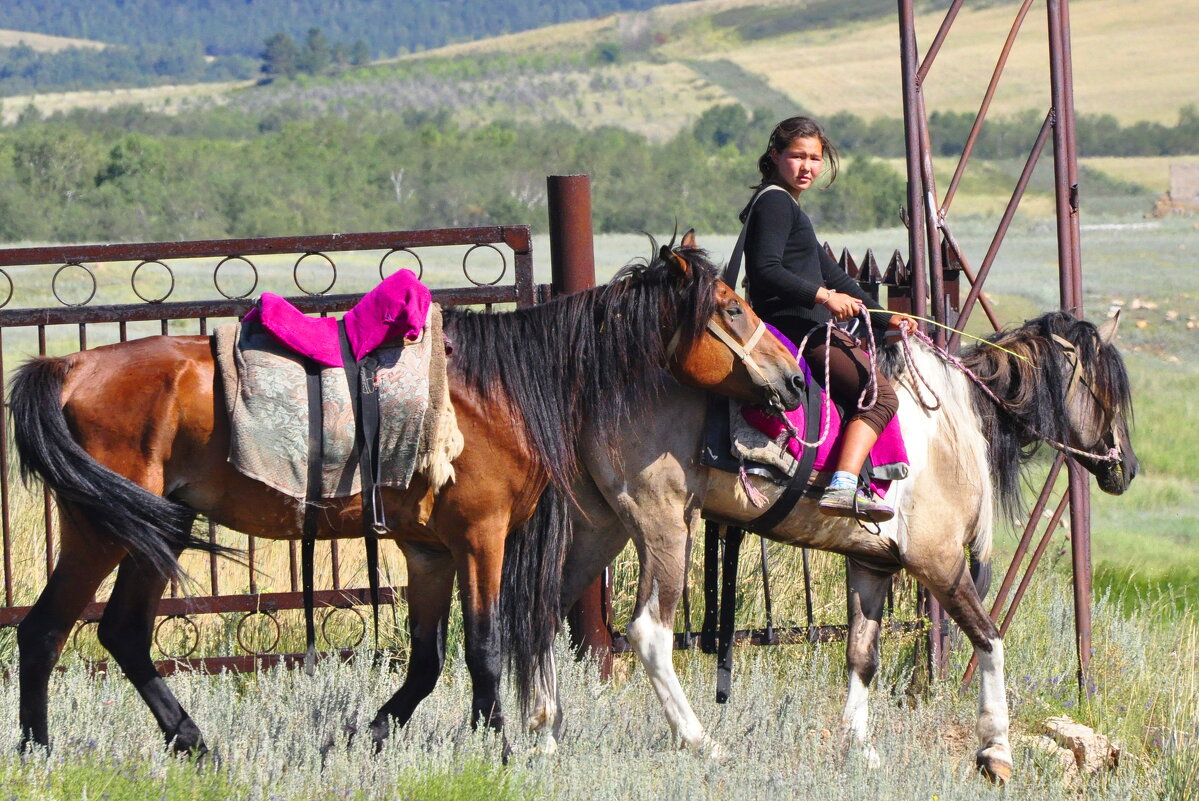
[(396, 309), (889, 454)]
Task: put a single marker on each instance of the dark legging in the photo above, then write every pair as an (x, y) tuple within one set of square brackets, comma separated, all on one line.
[(850, 369)]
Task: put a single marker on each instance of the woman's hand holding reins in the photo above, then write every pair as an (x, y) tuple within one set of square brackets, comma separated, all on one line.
[(903, 324), (840, 305)]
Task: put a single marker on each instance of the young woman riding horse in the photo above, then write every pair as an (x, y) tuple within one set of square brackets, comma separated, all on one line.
[(796, 287), (133, 439), (1057, 380)]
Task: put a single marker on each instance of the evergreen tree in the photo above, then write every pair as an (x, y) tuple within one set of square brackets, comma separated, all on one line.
[(281, 58)]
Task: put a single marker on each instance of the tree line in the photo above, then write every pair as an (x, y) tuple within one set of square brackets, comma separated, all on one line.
[(81, 177), (228, 28)]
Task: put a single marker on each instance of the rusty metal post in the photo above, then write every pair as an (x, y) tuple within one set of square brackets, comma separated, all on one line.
[(572, 265), (1065, 163), (572, 251)]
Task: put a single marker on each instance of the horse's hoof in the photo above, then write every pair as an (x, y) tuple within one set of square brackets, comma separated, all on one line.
[(995, 765), (708, 748), (380, 731)]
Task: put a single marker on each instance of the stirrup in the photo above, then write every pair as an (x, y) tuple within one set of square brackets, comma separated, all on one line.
[(855, 503)]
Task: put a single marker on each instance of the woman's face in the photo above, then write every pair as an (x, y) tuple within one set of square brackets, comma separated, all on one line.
[(800, 164)]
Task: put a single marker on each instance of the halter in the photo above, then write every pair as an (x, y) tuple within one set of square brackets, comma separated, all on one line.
[(741, 351), (1076, 377)]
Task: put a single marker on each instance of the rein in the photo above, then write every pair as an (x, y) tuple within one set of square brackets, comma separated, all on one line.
[(1113, 453)]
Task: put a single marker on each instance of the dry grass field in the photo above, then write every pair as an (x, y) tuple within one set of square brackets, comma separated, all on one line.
[(44, 43)]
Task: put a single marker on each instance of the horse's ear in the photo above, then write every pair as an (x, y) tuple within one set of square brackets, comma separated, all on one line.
[(675, 262), (1107, 331), (688, 242)]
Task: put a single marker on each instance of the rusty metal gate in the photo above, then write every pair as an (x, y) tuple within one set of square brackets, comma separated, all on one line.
[(56, 300)]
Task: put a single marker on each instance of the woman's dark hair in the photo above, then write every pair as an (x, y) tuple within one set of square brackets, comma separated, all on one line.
[(787, 132)]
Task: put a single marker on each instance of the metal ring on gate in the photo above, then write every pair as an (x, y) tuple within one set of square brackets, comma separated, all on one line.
[(8, 278), (75, 646), (133, 281), (241, 638), (54, 283), (195, 630), (295, 273), (503, 265), (329, 614), (420, 265), (217, 284)]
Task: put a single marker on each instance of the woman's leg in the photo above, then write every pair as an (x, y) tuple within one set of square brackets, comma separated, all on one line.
[(848, 379)]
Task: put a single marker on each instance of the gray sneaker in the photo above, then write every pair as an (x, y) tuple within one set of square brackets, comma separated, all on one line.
[(852, 502)]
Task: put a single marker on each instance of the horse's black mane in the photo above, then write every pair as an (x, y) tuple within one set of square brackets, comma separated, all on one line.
[(587, 359), (1034, 392), (590, 357)]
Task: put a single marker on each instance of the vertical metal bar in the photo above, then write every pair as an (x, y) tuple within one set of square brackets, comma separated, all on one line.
[(335, 561), (5, 499), (807, 595), (83, 336), (936, 271), (213, 568), (572, 268), (293, 566), (769, 602), (251, 568), (1065, 170), (911, 86), (572, 250), (47, 505)]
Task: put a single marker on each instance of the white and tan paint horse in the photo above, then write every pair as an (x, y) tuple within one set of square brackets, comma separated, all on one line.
[(1056, 379)]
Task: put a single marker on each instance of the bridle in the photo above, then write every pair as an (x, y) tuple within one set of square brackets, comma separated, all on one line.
[(743, 352), (1076, 377)]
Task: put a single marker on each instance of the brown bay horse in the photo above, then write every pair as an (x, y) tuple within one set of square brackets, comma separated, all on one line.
[(1056, 380), (133, 440)]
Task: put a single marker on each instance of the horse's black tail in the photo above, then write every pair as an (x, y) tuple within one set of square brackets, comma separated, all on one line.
[(149, 527), (531, 590)]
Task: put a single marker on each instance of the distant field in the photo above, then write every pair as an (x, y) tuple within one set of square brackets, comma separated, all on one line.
[(1151, 172), (1125, 65), (155, 98), (44, 43)]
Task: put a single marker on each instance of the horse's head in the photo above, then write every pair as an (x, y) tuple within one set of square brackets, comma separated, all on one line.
[(1098, 405), (736, 355)]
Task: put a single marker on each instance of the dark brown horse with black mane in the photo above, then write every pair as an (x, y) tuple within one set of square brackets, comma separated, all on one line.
[(133, 439)]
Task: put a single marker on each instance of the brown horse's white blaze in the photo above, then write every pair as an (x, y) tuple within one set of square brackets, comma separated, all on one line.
[(655, 489)]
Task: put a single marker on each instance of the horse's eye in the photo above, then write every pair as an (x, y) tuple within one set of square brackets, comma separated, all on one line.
[(733, 310)]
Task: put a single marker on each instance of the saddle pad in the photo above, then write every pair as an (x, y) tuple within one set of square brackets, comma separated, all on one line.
[(395, 310), (265, 392)]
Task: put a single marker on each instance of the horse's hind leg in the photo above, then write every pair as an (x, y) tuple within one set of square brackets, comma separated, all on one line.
[(82, 565), (430, 587), (866, 591), (955, 591), (126, 630)]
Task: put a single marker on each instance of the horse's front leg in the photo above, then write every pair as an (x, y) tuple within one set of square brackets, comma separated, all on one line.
[(651, 633), (954, 589), (127, 630), (866, 591), (430, 590)]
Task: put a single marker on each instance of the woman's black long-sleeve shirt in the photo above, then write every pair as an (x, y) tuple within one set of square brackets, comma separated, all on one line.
[(786, 266)]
